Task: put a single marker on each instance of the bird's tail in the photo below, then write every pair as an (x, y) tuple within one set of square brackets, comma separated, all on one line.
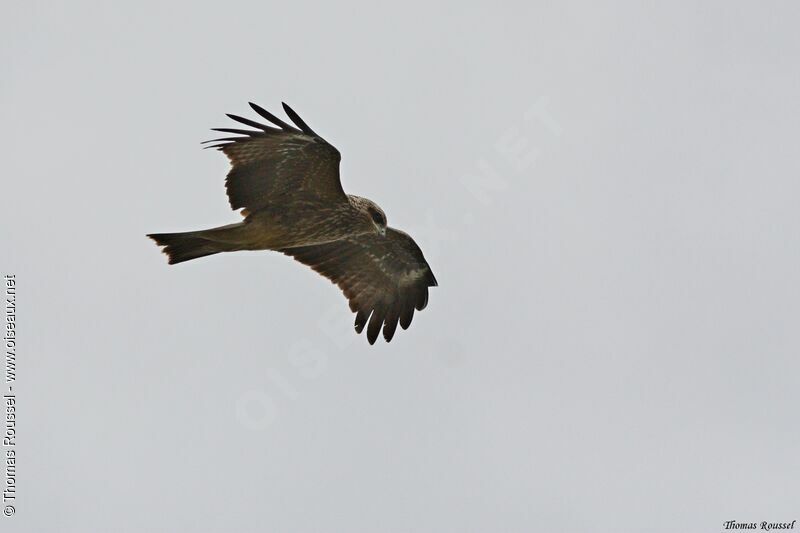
[(181, 247)]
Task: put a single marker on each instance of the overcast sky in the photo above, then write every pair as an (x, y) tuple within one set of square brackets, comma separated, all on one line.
[(607, 194)]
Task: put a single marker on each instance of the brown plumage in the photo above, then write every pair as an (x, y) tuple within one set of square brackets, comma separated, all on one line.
[(285, 179)]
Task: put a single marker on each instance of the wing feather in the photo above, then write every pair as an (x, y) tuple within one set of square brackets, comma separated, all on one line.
[(248, 122), (384, 278), (297, 120), (274, 166), (272, 118)]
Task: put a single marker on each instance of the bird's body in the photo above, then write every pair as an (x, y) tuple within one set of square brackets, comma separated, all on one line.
[(276, 229), (286, 181)]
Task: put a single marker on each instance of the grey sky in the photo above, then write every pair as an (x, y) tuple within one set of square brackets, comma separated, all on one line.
[(606, 192)]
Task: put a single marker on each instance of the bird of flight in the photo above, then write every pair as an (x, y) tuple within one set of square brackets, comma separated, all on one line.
[(286, 181)]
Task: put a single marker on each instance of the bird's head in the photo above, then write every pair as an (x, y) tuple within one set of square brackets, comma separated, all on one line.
[(374, 215)]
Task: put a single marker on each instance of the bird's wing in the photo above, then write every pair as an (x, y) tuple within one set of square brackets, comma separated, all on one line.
[(276, 164), (384, 278)]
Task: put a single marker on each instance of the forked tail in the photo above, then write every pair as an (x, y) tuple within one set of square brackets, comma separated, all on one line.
[(181, 247)]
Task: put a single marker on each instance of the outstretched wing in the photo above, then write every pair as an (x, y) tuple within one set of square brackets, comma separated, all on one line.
[(275, 164), (384, 278)]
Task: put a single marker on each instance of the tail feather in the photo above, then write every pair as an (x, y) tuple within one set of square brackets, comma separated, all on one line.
[(181, 247)]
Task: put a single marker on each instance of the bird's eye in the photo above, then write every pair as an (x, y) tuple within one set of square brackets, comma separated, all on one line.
[(377, 218)]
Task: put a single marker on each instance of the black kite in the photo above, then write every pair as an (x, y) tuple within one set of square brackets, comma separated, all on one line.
[(286, 181)]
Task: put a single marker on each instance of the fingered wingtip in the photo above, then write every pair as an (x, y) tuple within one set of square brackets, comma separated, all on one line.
[(299, 122), (270, 117)]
